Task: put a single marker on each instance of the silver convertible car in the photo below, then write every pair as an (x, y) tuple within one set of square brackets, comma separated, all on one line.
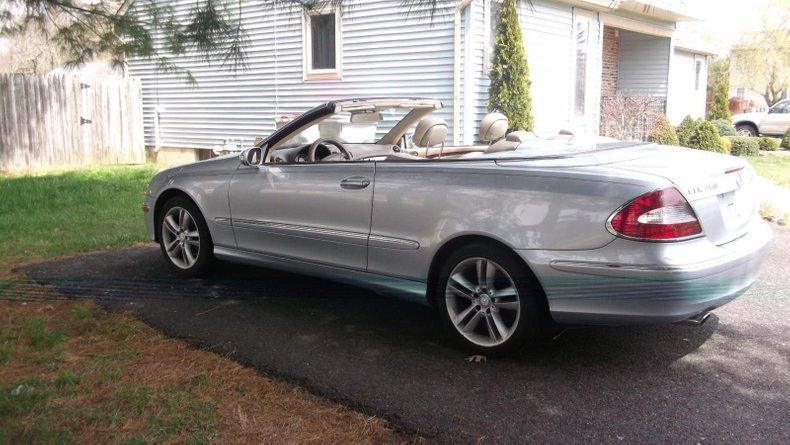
[(506, 238)]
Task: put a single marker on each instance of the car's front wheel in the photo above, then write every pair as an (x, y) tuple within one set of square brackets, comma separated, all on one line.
[(746, 130), (491, 303), (184, 237)]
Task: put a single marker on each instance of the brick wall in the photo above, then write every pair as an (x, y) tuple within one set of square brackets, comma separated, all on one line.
[(611, 54)]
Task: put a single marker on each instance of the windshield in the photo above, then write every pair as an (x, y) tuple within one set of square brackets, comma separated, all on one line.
[(360, 128)]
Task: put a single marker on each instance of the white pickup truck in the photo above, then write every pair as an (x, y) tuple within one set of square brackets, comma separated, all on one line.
[(773, 123)]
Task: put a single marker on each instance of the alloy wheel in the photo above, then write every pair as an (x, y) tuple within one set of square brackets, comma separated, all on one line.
[(180, 237), (482, 301)]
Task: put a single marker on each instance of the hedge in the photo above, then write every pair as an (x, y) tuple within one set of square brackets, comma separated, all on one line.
[(686, 130), (663, 132), (705, 137), (725, 128), (786, 140), (769, 144), (726, 145), (744, 146)]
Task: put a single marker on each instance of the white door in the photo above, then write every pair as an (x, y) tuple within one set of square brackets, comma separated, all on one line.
[(687, 86)]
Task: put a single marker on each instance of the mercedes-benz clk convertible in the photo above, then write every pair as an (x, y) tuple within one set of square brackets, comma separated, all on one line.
[(507, 238)]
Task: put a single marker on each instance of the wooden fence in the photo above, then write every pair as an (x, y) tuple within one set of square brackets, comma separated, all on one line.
[(61, 120)]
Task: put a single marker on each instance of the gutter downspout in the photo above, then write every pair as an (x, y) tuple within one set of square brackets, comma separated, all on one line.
[(459, 9)]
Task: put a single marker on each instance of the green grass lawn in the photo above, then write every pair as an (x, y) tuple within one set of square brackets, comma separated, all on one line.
[(44, 216), (71, 372), (774, 166)]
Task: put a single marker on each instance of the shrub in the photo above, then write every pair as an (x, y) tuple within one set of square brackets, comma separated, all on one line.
[(724, 127), (720, 109), (685, 130), (726, 145), (743, 146), (629, 116), (786, 140), (663, 132), (705, 137), (509, 91), (769, 144)]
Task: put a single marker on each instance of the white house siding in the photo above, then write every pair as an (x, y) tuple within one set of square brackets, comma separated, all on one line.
[(474, 86), (386, 51), (644, 64), (685, 96), (548, 41)]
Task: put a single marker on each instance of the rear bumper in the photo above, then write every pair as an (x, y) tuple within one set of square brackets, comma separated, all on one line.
[(631, 282)]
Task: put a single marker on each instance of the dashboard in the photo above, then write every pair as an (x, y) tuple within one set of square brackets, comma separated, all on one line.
[(298, 154)]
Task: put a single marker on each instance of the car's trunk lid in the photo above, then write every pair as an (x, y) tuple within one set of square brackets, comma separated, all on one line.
[(720, 188)]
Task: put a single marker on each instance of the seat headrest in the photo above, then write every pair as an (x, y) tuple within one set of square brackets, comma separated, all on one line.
[(520, 136), (493, 126), (430, 132)]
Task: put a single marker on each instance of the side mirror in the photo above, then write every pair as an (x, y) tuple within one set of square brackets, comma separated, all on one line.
[(250, 156)]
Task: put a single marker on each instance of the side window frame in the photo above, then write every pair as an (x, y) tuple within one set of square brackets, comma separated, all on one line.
[(309, 73), (782, 107)]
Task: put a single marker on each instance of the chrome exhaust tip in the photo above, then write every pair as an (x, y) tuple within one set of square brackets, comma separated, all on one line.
[(698, 319)]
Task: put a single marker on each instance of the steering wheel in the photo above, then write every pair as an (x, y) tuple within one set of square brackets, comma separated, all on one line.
[(324, 142)]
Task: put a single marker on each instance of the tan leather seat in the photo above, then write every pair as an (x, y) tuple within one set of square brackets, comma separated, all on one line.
[(502, 145), (493, 127), (430, 132), (521, 136)]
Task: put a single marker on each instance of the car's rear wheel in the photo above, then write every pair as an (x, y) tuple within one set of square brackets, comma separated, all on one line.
[(489, 300), (184, 237), (747, 130)]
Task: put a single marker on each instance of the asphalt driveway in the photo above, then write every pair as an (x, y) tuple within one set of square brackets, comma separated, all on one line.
[(726, 381)]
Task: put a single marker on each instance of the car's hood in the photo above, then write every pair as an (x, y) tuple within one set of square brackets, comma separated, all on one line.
[(224, 162), (221, 164)]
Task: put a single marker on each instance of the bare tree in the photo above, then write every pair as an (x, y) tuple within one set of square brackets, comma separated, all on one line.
[(761, 60), (119, 29), (629, 116)]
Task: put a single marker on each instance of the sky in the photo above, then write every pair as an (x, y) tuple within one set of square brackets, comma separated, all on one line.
[(726, 20)]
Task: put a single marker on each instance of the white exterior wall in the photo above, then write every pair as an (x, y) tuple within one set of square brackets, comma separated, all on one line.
[(548, 40), (685, 96), (386, 51)]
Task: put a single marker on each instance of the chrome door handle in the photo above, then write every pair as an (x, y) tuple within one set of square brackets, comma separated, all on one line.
[(355, 182)]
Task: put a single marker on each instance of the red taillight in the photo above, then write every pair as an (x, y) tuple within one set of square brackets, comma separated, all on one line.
[(662, 215)]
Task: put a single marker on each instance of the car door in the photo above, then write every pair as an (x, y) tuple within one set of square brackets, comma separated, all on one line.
[(317, 212), (777, 121)]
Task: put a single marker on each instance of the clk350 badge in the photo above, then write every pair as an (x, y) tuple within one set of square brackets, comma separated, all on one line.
[(705, 188)]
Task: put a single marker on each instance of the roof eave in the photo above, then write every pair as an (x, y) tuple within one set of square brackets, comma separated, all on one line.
[(649, 9), (642, 8)]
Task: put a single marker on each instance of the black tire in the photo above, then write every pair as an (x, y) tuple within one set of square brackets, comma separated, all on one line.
[(531, 325), (746, 130), (205, 253)]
